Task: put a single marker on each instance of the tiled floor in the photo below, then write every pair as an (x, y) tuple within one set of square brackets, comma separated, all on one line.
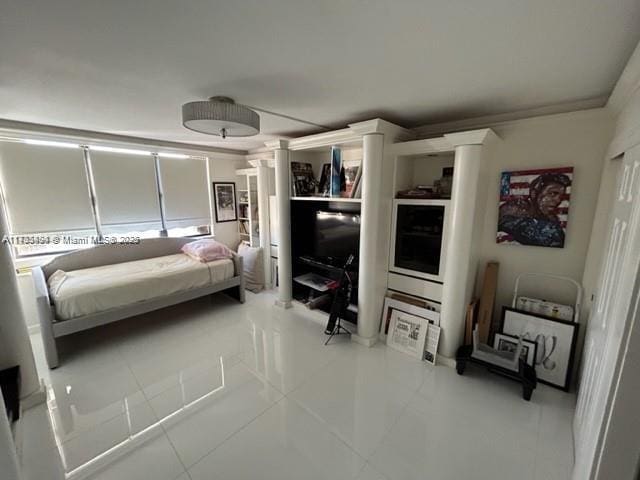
[(216, 390)]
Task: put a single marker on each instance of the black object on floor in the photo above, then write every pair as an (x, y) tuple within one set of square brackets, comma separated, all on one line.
[(341, 296), (526, 374), (10, 386)]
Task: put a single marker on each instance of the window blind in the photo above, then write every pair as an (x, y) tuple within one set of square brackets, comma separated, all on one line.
[(45, 188), (186, 192), (126, 190)]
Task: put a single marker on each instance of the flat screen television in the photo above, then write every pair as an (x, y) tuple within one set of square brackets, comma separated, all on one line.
[(337, 235)]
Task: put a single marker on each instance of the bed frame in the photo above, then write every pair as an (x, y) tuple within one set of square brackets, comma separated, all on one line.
[(52, 328)]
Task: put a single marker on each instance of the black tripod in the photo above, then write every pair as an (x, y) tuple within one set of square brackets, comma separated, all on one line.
[(341, 297)]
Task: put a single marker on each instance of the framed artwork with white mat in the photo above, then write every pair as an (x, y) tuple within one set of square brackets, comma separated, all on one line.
[(555, 339)]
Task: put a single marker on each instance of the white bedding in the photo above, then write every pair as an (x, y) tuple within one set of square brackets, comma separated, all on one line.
[(92, 290)]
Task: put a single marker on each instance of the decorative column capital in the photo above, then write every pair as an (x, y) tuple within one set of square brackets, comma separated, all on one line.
[(279, 144), (262, 162), (472, 137), (391, 131)]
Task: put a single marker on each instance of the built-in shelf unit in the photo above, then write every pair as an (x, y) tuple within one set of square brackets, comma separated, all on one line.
[(393, 161), (410, 172), (248, 209)]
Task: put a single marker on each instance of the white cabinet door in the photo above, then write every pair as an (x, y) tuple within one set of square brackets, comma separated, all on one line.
[(608, 327)]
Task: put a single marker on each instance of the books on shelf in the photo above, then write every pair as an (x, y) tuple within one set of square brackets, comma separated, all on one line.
[(323, 187), (333, 183), (243, 227), (352, 179), (356, 191), (243, 210), (303, 180)]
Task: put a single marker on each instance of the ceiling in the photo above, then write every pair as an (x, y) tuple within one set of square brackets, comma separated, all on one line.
[(126, 67)]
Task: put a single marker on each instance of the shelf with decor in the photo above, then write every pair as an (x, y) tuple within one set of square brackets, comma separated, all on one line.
[(248, 224), (328, 199), (420, 223), (314, 171)]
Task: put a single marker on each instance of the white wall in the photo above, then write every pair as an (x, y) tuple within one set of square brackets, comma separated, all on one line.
[(577, 139), (28, 299), (223, 169), (15, 348)]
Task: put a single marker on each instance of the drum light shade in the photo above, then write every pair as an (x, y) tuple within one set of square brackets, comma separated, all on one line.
[(220, 116)]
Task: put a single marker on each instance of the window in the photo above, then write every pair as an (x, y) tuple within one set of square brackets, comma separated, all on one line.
[(46, 192), (127, 193), (185, 188), (58, 199)]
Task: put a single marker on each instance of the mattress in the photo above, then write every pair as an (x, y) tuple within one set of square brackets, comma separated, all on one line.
[(84, 292)]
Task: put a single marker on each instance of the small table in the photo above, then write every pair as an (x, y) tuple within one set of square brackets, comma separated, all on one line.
[(526, 374)]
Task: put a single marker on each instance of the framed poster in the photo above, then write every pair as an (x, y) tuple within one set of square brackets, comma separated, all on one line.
[(509, 343), (224, 196), (391, 304), (408, 333), (555, 339), (534, 207)]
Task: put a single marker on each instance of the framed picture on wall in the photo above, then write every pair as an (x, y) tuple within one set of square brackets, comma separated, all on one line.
[(534, 207), (555, 340), (224, 197)]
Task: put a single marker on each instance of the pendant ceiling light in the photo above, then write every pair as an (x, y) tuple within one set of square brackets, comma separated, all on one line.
[(220, 116)]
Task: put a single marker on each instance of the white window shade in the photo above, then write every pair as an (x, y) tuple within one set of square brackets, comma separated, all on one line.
[(45, 188), (186, 192), (126, 190)]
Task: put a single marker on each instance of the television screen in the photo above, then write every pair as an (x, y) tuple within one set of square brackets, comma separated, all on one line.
[(337, 236)]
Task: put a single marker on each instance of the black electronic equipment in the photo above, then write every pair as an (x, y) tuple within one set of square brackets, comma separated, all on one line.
[(341, 296), (337, 235)]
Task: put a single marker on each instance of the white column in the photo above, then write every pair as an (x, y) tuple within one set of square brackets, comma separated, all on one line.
[(284, 227), (263, 220), (15, 347), (370, 295), (8, 459), (459, 268)]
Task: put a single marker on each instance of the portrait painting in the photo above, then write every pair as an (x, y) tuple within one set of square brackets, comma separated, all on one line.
[(534, 207)]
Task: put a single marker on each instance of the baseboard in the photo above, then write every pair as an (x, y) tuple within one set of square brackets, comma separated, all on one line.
[(446, 361), (281, 304), (367, 342), (36, 398)]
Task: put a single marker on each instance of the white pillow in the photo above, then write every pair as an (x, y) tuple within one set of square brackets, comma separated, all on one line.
[(55, 281), (252, 266)]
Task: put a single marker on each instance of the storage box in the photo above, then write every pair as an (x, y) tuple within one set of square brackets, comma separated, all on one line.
[(543, 307)]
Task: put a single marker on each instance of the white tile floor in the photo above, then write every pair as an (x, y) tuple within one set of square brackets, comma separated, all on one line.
[(216, 390)]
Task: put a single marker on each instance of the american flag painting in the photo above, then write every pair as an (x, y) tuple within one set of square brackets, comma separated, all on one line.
[(534, 207)]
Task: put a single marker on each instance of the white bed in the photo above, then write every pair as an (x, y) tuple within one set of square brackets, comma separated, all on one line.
[(112, 282), (98, 289)]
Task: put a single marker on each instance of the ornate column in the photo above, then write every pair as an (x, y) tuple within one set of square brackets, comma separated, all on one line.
[(369, 298), (281, 155), (461, 262), (263, 217), (375, 215)]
